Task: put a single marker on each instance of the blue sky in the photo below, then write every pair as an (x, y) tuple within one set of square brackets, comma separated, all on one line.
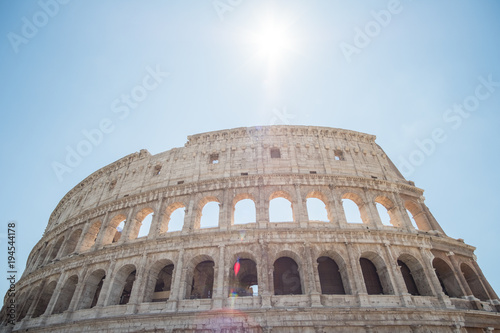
[(68, 68)]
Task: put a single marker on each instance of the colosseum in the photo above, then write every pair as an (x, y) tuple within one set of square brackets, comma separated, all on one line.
[(188, 241)]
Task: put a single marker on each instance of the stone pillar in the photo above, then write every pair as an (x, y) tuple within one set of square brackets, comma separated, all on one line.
[(460, 277), (104, 294), (190, 217), (311, 277), (262, 207), (371, 214), (404, 218), (137, 293), (82, 236), (55, 294), (131, 224), (430, 272), (159, 212), (266, 283), (356, 275), (102, 232), (336, 210), (225, 211), (489, 290), (396, 277), (219, 279), (36, 299), (79, 289), (177, 287), (300, 208)]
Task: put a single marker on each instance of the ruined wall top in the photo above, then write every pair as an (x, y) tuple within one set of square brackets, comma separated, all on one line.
[(239, 152)]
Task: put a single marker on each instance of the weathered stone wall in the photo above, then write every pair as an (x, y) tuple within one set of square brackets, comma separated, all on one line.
[(80, 271)]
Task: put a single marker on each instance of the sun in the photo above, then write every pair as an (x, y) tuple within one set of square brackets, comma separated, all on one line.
[(273, 40)]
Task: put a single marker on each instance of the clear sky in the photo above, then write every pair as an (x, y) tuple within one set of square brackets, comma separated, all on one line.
[(423, 76)]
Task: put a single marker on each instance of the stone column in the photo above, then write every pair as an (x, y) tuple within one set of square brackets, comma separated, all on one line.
[(262, 207), (102, 232), (79, 289), (371, 214), (300, 208), (190, 217), (464, 286), (130, 225), (225, 211), (55, 294), (177, 287), (404, 218), (104, 294), (311, 277), (396, 277), (489, 290), (356, 275), (82, 236), (159, 211), (137, 293), (336, 210), (430, 272), (266, 282), (219, 278)]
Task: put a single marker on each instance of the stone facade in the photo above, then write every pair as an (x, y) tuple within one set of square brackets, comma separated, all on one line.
[(89, 274)]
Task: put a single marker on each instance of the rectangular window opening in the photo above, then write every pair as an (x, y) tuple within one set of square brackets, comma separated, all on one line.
[(339, 155), (312, 172), (214, 158), (244, 173), (275, 153), (180, 182)]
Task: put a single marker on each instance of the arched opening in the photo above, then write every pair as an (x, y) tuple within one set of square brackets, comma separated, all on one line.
[(92, 289), (330, 277), (370, 276), (122, 285), (142, 223), (66, 295), (413, 273), (383, 214), (210, 215), (280, 207), (25, 305), (411, 286), (113, 230), (410, 216), (119, 232), (243, 278), (474, 282), (201, 285), (71, 243), (163, 284), (91, 236), (44, 256), (244, 212), (173, 219), (286, 277), (55, 249), (418, 216), (387, 212), (317, 210), (351, 211), (447, 278), (145, 226), (44, 299)]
